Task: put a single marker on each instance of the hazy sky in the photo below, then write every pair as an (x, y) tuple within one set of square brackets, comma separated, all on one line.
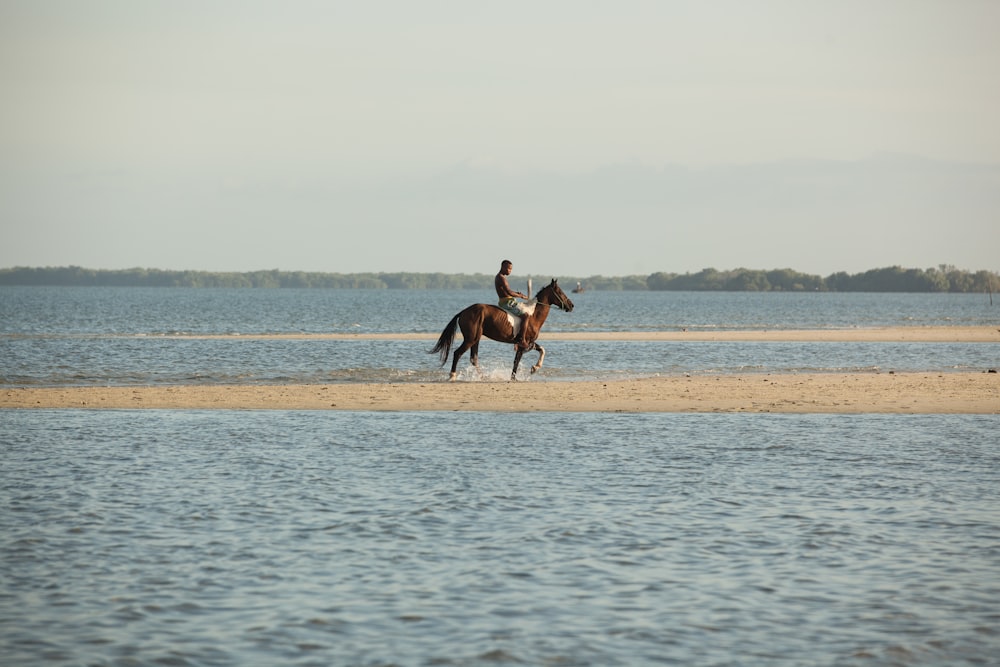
[(573, 137)]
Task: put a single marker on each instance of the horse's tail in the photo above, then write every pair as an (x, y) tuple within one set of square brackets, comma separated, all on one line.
[(443, 346)]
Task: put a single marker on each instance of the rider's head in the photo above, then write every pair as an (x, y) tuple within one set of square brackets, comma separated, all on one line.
[(506, 266)]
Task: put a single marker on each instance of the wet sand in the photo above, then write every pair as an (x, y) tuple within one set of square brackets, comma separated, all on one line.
[(913, 392)]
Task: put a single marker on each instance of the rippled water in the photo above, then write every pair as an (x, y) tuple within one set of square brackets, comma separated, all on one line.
[(83, 310), (312, 538), (122, 361), (305, 538), (60, 336)]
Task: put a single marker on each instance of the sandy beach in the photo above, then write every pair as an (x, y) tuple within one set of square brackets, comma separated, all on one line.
[(874, 392), (929, 393)]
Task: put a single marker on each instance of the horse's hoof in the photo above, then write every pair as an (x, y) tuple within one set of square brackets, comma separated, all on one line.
[(452, 377), (534, 369)]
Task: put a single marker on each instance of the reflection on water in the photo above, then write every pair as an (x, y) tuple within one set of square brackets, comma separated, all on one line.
[(235, 538)]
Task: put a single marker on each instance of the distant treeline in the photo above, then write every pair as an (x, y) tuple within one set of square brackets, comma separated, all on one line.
[(891, 279)]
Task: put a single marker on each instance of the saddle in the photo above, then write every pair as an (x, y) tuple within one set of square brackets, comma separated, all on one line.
[(515, 316)]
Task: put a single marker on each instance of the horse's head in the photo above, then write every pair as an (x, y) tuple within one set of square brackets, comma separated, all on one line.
[(553, 295)]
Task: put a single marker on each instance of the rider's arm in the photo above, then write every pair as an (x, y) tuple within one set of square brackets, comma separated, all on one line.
[(505, 286)]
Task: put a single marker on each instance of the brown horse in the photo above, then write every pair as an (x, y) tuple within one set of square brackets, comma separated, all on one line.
[(482, 319)]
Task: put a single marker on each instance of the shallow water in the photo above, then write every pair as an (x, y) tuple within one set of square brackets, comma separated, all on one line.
[(309, 538), (151, 311), (123, 361), (118, 336)]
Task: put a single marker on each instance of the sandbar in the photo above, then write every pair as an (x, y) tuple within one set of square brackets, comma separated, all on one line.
[(862, 392), (894, 393)]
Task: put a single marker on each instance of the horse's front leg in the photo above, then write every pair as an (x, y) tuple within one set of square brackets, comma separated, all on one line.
[(541, 358), (517, 361)]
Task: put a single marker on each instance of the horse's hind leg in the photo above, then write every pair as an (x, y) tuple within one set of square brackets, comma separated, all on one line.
[(541, 358), (459, 351), (474, 355)]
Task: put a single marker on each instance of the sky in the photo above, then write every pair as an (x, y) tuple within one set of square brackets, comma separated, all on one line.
[(574, 137)]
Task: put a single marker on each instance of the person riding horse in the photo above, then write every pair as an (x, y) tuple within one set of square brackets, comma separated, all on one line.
[(484, 320), (509, 299)]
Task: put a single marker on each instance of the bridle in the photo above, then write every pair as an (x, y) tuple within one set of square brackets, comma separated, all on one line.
[(562, 301)]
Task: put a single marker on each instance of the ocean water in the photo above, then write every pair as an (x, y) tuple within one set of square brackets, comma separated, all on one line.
[(353, 538), (151, 311), (82, 336), (315, 538)]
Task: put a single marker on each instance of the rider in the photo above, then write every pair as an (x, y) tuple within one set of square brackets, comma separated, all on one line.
[(509, 298)]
